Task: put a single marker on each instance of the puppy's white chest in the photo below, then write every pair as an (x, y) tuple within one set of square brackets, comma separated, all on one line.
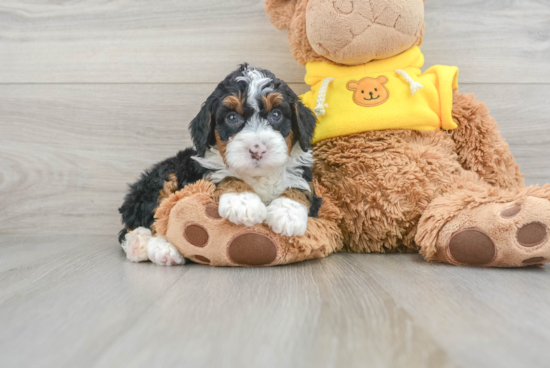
[(268, 188)]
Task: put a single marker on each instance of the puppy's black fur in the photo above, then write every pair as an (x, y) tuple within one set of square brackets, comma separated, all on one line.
[(143, 196)]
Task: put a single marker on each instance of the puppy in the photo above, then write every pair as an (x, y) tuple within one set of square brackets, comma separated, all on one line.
[(252, 139)]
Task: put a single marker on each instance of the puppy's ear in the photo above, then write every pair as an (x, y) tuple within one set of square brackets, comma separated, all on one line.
[(203, 129), (303, 125), (280, 12)]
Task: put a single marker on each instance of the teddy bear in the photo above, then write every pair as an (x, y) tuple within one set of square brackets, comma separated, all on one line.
[(403, 160)]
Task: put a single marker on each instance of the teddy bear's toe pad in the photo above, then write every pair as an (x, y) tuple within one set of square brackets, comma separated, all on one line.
[(472, 246), (532, 234), (252, 249), (196, 235)]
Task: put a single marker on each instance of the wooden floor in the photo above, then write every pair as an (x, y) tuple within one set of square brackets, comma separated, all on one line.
[(94, 91), (71, 301)]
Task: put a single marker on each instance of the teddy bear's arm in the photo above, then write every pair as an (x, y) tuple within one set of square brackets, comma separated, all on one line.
[(480, 146)]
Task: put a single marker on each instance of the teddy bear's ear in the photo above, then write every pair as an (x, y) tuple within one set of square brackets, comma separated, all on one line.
[(382, 79), (352, 85), (421, 34), (280, 12)]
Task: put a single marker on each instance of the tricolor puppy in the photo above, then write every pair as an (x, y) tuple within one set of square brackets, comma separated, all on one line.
[(252, 139)]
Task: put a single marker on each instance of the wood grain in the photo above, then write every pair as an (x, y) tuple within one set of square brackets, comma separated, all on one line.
[(71, 301), (68, 151), (166, 41)]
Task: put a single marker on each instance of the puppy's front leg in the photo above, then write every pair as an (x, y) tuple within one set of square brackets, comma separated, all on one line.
[(288, 214), (238, 203)]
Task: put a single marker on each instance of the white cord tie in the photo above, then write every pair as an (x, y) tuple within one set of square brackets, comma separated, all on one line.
[(322, 96), (415, 86)]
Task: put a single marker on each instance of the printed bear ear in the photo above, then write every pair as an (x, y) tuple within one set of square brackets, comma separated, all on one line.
[(352, 85), (382, 79), (280, 12)]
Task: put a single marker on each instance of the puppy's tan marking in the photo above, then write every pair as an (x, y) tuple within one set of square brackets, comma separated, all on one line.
[(290, 142), (170, 186), (222, 145), (234, 102), (272, 100), (231, 184), (298, 195)]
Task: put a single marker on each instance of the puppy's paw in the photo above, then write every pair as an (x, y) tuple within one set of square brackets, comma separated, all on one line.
[(135, 244), (287, 217), (163, 253), (242, 208)]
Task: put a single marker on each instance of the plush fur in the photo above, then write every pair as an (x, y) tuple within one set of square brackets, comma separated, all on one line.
[(408, 191)]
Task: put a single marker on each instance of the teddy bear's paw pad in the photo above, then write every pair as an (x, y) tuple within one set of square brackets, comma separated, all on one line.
[(532, 234), (200, 259), (472, 247), (534, 261), (252, 249), (510, 212), (196, 235), (212, 211)]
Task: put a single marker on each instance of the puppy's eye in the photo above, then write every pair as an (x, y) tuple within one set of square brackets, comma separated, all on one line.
[(275, 116), (376, 89), (232, 118)]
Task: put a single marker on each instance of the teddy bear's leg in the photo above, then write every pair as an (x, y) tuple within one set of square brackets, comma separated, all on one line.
[(190, 220), (484, 226), (480, 146)]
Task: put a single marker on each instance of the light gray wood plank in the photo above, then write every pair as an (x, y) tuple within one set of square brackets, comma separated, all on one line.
[(68, 151), (166, 41), (65, 309), (87, 306)]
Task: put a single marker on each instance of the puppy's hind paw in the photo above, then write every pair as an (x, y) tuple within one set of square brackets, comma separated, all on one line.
[(135, 244), (287, 217), (163, 253), (242, 208)]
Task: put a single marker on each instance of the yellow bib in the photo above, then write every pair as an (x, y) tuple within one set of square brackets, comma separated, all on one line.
[(383, 94)]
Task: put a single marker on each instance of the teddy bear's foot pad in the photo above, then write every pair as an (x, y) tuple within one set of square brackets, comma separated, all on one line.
[(252, 249), (473, 247), (498, 235)]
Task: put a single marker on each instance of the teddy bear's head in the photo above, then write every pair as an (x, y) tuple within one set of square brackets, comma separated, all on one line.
[(348, 32)]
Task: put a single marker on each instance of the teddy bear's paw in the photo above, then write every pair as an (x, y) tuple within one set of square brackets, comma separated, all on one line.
[(512, 234), (202, 235), (162, 253), (287, 217), (135, 244), (242, 208)]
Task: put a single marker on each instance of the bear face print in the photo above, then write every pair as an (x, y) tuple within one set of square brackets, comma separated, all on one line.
[(369, 92)]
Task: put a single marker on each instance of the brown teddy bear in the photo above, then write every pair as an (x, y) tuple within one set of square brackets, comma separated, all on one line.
[(404, 162), (426, 170)]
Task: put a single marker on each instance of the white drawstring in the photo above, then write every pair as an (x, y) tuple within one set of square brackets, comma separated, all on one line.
[(415, 86), (321, 97)]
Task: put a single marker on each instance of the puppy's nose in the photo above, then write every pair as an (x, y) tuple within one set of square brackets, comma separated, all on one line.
[(370, 94), (257, 151)]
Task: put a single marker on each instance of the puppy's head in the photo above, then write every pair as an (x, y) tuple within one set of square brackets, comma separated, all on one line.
[(254, 119)]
